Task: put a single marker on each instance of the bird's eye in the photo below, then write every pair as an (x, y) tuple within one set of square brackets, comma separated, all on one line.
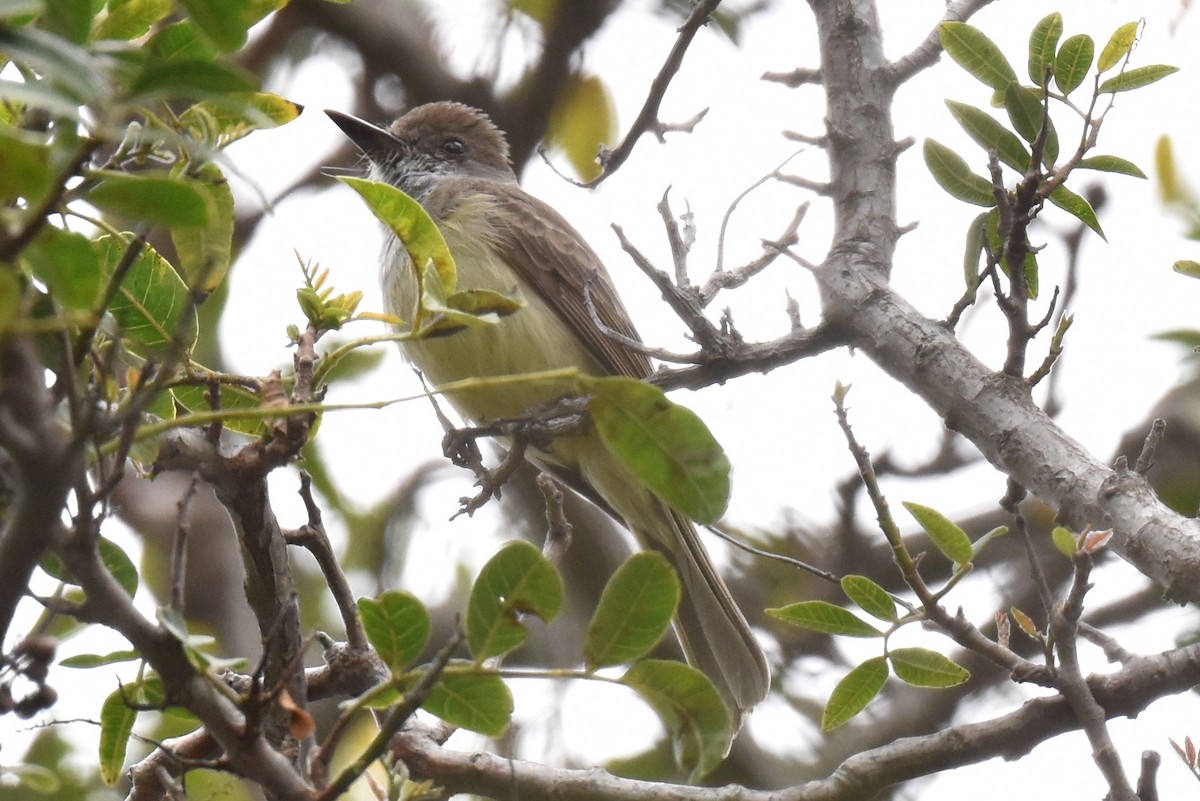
[(454, 146)]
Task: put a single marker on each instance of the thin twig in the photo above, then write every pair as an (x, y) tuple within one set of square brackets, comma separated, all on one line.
[(396, 718), (558, 527), (681, 301), (1145, 459), (661, 354), (720, 268), (179, 545), (647, 118), (1147, 786), (1071, 683), (957, 627), (926, 54), (313, 538), (798, 77), (1113, 650)]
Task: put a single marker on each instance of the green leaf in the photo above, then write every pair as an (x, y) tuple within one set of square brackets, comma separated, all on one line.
[(990, 135), (582, 121), (1031, 275), (118, 563), (1111, 164), (204, 252), (854, 692), (180, 41), (977, 54), (1172, 187), (1027, 114), (1043, 41), (195, 399), (977, 546), (97, 660), (25, 166), (656, 762), (945, 533), (1187, 267), (869, 597), (542, 12), (635, 611), (690, 707), (1073, 62), (1119, 45), (481, 302), (70, 19), (665, 445), (439, 314), (1025, 623), (175, 624), (155, 198), (480, 702), (921, 667), (116, 726), (1137, 78), (130, 19), (39, 95), (37, 778), (1064, 541), (64, 65), (69, 264), (973, 252), (116, 723), (824, 617), (11, 289), (517, 581), (230, 117), (227, 21), (1077, 206), (397, 625), (951, 172), (20, 10), (220, 21), (112, 556), (153, 306), (416, 230), (184, 78)]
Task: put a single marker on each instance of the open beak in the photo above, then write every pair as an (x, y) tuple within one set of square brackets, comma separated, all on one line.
[(370, 139)]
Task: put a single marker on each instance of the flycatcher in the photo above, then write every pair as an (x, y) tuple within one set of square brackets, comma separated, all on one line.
[(453, 161)]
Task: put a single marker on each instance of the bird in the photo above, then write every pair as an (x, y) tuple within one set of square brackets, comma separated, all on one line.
[(453, 160)]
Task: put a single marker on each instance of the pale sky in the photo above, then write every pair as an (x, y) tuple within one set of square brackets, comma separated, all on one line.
[(779, 429)]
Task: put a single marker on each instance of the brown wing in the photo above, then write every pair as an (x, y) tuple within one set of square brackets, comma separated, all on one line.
[(559, 264)]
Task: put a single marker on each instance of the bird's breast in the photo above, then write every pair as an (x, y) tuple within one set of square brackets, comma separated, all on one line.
[(533, 339)]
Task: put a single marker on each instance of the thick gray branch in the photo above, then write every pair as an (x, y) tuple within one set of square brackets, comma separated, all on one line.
[(995, 412), (998, 415), (860, 777)]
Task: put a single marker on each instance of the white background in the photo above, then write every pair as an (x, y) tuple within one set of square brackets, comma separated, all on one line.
[(778, 429)]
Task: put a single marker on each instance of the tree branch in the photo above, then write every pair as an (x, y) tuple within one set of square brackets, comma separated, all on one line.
[(46, 464), (926, 54), (647, 118), (1124, 693)]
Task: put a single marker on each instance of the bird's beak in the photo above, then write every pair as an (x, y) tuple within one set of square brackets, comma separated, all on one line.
[(370, 139)]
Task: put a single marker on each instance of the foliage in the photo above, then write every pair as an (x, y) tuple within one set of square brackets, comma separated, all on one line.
[(1029, 144), (118, 231), (112, 137)]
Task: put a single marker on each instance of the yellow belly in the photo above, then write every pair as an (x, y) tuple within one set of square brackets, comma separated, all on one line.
[(532, 339)]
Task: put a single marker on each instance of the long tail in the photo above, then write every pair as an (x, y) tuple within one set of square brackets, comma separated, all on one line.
[(714, 633)]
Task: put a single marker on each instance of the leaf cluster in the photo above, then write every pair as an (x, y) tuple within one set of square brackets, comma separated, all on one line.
[(111, 132), (918, 667), (518, 586), (1027, 139)]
